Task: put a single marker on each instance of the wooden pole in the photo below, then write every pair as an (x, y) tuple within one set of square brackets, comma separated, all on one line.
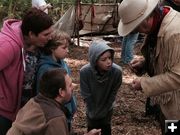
[(62, 8), (77, 20)]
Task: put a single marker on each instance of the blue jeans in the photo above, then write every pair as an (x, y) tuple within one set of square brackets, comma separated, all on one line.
[(5, 125), (128, 43)]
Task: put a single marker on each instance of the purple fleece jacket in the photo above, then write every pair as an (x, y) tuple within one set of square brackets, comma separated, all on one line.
[(11, 68)]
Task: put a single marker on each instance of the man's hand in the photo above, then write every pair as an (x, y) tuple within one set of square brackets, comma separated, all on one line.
[(136, 84), (94, 132), (136, 65)]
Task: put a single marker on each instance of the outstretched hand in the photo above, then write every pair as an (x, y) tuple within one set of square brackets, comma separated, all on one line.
[(94, 132), (136, 65), (136, 84)]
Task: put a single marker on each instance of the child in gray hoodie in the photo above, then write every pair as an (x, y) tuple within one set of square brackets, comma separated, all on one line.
[(100, 80)]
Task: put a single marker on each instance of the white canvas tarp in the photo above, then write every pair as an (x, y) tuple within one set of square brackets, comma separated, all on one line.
[(67, 21), (104, 19)]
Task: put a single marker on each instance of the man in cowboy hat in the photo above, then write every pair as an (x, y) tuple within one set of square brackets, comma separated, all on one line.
[(161, 57)]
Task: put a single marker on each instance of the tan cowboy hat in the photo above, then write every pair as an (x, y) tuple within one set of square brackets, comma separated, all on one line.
[(132, 13)]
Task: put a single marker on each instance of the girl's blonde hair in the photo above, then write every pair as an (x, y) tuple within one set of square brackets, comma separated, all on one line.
[(58, 38), (61, 37)]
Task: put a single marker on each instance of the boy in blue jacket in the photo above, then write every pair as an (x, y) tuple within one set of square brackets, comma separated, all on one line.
[(53, 56)]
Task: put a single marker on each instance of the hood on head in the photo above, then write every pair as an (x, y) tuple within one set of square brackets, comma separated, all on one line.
[(11, 28), (97, 48)]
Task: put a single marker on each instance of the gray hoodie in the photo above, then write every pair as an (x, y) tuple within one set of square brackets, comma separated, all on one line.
[(99, 91)]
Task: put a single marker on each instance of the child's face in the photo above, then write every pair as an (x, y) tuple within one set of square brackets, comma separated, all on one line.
[(61, 51), (104, 63)]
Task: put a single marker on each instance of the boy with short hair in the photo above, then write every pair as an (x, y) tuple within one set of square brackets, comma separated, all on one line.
[(100, 80)]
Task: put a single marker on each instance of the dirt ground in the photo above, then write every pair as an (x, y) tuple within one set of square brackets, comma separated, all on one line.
[(128, 117)]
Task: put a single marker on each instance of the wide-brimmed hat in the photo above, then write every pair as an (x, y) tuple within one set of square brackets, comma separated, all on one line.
[(132, 13)]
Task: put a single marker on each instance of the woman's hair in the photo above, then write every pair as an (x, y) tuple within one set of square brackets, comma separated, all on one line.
[(58, 38), (36, 21), (51, 81)]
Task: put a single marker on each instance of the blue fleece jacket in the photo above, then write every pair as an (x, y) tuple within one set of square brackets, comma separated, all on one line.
[(46, 63)]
